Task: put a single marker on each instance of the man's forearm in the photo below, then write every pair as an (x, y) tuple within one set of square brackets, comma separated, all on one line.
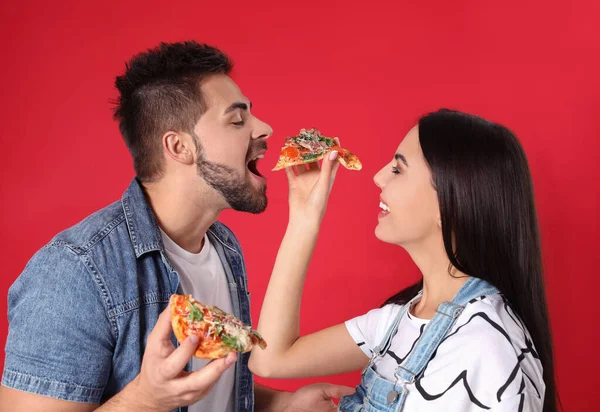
[(270, 400), (126, 400), (266, 400)]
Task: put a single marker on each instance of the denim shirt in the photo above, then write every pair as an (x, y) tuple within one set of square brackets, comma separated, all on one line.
[(81, 311)]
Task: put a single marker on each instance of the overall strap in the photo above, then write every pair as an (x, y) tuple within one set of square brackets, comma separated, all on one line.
[(380, 350), (385, 343), (439, 326)]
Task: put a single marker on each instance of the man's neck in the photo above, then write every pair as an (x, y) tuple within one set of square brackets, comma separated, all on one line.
[(184, 213)]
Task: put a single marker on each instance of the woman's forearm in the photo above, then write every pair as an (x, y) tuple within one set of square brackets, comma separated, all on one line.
[(280, 315)]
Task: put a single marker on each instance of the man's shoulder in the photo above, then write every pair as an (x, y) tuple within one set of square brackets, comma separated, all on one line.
[(87, 233)]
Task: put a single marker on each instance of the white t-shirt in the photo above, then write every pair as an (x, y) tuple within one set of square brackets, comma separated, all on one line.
[(202, 275), (486, 361)]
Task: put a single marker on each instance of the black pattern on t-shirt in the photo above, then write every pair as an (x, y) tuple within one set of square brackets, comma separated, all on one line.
[(463, 374), (462, 377), (451, 380), (398, 359)]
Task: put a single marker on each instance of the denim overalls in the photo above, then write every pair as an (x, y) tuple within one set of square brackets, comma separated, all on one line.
[(377, 394)]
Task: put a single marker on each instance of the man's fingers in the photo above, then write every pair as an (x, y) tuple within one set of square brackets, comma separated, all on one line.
[(206, 377), (337, 391), (177, 360), (162, 330)]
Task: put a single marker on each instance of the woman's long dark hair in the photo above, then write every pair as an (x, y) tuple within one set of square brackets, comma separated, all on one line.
[(489, 222)]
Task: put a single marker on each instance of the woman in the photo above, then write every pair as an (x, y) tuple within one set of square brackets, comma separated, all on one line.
[(473, 334)]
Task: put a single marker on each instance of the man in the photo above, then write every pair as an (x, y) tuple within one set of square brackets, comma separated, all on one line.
[(92, 304)]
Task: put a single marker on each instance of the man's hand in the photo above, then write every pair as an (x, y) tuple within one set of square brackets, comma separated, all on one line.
[(162, 384), (317, 398)]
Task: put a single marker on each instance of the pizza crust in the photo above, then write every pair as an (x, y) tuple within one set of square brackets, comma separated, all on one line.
[(348, 159)]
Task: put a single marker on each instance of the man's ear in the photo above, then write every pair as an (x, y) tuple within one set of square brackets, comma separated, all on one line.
[(179, 146)]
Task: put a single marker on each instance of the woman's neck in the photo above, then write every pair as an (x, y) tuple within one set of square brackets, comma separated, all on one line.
[(441, 281)]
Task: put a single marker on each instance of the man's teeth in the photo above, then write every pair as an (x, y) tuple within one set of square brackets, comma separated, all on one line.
[(261, 156), (384, 206)]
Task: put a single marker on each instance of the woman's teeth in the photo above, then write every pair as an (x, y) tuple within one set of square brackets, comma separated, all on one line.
[(384, 206)]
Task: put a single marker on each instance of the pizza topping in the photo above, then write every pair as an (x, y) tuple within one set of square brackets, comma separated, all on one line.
[(311, 156), (291, 152), (235, 337), (195, 313), (231, 342), (326, 141), (311, 146)]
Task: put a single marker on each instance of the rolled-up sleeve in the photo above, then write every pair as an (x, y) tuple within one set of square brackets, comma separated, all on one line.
[(60, 341)]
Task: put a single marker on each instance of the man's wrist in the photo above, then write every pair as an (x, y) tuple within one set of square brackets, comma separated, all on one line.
[(281, 402), (271, 400), (130, 399)]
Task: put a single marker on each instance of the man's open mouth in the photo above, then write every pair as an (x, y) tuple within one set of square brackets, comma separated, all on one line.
[(252, 164)]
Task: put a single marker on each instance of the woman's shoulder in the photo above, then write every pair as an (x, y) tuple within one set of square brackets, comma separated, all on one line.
[(489, 329), (368, 329), (490, 341), (494, 308), (491, 318), (385, 314)]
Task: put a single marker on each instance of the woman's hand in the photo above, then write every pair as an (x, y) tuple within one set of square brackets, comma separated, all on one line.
[(309, 190)]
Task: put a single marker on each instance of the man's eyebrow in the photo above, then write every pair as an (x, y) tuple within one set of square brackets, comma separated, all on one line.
[(238, 105), (399, 156)]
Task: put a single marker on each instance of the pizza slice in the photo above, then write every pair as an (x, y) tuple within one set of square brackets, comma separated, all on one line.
[(310, 146), (219, 332)]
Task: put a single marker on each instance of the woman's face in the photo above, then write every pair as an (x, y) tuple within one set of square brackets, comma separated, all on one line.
[(410, 210)]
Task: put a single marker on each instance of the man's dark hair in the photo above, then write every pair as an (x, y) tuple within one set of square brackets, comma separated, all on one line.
[(160, 91)]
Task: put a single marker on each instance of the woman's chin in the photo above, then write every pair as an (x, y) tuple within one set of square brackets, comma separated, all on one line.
[(380, 233), (386, 235)]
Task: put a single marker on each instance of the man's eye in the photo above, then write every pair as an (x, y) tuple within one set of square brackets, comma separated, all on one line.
[(240, 123)]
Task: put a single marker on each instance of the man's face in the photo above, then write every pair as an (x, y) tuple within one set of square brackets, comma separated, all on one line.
[(231, 140)]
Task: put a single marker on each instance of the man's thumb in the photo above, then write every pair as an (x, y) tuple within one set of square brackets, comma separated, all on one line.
[(337, 391)]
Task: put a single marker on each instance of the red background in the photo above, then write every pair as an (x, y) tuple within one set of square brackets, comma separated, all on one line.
[(361, 71)]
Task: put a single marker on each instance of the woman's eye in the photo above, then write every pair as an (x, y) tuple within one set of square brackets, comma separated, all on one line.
[(396, 170)]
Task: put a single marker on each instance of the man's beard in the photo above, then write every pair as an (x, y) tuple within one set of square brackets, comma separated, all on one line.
[(235, 187)]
